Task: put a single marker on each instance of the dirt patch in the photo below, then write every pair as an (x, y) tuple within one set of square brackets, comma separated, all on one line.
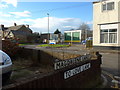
[(63, 55), (23, 68)]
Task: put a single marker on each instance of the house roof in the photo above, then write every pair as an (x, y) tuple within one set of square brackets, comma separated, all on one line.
[(97, 1), (16, 28), (19, 32)]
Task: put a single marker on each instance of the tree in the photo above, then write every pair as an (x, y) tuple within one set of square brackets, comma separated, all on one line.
[(34, 37), (85, 27), (57, 32), (72, 29)]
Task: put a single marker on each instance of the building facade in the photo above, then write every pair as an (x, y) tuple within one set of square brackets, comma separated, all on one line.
[(76, 35), (20, 32), (106, 24), (58, 38)]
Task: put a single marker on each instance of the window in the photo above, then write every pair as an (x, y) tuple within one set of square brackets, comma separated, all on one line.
[(68, 36), (76, 35), (108, 6), (104, 7), (104, 36), (112, 35), (108, 36)]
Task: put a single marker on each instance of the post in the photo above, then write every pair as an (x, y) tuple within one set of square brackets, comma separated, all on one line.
[(71, 38), (86, 34), (48, 27)]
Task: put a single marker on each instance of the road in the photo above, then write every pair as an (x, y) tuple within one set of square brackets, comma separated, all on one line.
[(110, 67), (110, 63)]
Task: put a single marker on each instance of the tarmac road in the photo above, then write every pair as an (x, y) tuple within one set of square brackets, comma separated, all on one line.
[(110, 68), (110, 63)]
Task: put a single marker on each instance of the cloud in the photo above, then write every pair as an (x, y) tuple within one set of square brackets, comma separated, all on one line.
[(57, 0), (13, 2), (3, 6), (21, 14), (16, 14), (41, 24), (89, 22), (4, 15)]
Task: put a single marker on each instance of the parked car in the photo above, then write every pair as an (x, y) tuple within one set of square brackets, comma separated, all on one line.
[(5, 67), (52, 42), (89, 38), (84, 41)]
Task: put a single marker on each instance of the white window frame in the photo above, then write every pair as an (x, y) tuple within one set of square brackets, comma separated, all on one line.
[(109, 26), (106, 8)]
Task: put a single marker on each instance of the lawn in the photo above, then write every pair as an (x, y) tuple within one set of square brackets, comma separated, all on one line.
[(25, 44), (55, 45)]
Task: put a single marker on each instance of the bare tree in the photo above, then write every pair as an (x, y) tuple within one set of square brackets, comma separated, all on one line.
[(84, 27)]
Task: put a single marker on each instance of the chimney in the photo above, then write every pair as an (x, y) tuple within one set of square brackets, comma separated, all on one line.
[(27, 26), (15, 24), (2, 27)]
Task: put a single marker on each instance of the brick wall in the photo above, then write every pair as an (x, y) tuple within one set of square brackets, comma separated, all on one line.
[(86, 79)]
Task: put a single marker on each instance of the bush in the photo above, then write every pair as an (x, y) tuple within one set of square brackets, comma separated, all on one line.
[(10, 47)]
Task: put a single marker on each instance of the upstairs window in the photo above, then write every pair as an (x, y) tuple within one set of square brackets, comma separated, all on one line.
[(108, 6), (104, 7)]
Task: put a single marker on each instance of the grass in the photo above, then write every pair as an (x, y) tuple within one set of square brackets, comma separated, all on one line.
[(25, 44), (55, 45)]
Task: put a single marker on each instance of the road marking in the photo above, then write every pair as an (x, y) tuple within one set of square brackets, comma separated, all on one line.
[(105, 80), (113, 79), (117, 77), (104, 53), (110, 75)]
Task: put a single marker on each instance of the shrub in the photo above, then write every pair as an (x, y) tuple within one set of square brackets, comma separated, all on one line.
[(10, 47)]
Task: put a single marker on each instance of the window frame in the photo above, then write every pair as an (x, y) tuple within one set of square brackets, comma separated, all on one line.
[(106, 6), (109, 35)]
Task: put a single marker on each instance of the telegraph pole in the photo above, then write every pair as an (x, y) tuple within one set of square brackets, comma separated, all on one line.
[(48, 27)]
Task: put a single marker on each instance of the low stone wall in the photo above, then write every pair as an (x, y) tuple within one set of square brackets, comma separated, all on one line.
[(43, 56), (86, 77)]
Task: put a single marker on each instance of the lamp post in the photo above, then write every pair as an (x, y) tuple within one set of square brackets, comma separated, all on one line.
[(48, 27)]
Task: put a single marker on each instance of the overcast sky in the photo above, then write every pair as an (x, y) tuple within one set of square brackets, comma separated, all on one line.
[(62, 15)]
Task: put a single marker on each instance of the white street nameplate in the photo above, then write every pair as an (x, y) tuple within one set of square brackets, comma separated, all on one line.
[(76, 70), (65, 63)]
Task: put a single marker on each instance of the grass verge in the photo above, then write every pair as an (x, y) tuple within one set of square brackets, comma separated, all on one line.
[(53, 45)]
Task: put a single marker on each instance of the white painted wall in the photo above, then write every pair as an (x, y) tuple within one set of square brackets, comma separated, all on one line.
[(71, 31), (101, 17)]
